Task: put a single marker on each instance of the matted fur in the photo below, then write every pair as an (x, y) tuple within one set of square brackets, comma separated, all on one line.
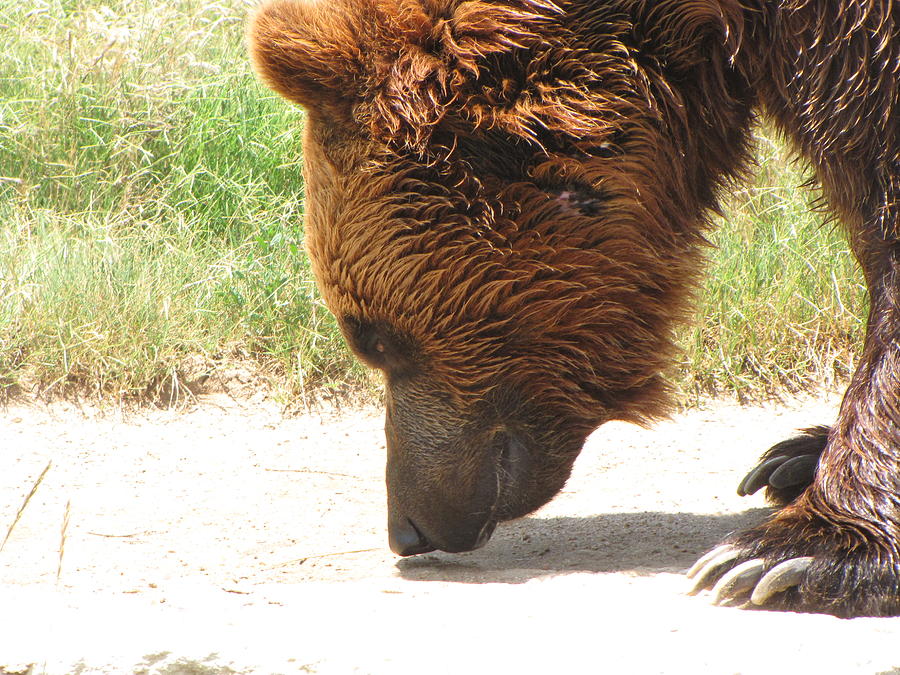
[(506, 208)]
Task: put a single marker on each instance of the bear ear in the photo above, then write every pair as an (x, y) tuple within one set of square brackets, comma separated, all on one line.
[(306, 50), (392, 65)]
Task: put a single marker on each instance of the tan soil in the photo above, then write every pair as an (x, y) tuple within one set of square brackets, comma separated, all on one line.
[(230, 539)]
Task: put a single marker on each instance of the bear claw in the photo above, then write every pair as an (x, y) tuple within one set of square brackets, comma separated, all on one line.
[(780, 578), (780, 472), (738, 581), (749, 577), (706, 566)]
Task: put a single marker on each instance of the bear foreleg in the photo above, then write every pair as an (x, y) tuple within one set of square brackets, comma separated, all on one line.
[(836, 547)]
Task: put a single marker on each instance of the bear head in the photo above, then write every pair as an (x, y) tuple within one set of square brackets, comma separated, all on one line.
[(500, 217)]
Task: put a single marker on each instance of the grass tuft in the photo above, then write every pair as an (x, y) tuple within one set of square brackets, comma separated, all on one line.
[(783, 306)]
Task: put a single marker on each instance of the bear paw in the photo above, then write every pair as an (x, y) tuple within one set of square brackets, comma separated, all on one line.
[(815, 572), (787, 468)]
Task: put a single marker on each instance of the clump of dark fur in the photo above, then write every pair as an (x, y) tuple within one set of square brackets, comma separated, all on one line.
[(506, 208)]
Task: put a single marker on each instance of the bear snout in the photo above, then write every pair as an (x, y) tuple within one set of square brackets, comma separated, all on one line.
[(405, 539)]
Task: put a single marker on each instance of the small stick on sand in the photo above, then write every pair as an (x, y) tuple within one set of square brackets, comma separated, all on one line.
[(323, 473), (300, 561), (62, 539), (34, 488)]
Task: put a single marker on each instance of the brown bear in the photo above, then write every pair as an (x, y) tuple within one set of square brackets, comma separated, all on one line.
[(506, 204)]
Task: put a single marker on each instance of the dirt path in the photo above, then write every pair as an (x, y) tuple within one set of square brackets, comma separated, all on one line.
[(227, 539)]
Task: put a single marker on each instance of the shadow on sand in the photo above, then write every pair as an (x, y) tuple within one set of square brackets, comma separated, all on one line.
[(644, 543)]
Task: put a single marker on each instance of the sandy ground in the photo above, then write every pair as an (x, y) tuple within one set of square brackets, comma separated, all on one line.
[(228, 539)]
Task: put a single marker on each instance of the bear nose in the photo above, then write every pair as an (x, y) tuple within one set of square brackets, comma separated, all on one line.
[(405, 539)]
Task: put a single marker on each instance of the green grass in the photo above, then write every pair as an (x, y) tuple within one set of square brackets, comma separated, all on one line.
[(150, 210), (783, 306), (150, 202)]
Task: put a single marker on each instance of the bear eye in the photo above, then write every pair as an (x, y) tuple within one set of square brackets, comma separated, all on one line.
[(372, 345), (379, 344)]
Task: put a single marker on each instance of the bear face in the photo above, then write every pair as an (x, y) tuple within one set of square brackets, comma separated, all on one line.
[(501, 216)]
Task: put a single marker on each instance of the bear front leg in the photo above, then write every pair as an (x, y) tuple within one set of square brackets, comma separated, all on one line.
[(836, 547)]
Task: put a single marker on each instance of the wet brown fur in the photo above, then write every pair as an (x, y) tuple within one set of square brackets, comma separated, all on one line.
[(506, 210)]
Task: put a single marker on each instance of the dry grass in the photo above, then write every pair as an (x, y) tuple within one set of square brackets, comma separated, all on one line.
[(31, 493), (784, 305)]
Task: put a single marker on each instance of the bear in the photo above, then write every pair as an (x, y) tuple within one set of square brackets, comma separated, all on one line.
[(507, 203)]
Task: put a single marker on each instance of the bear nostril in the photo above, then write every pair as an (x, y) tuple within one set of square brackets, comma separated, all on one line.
[(405, 539)]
